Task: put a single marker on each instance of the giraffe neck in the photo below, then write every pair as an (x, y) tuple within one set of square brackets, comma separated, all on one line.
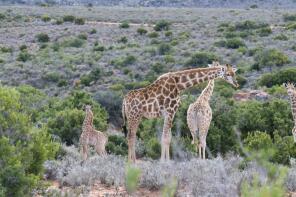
[(207, 92), (88, 120), (293, 105), (188, 78)]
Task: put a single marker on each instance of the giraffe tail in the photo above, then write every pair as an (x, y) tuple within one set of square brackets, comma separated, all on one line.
[(124, 127)]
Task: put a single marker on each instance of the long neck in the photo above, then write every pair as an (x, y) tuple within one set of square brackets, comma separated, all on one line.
[(293, 104), (208, 91), (188, 78), (88, 120)]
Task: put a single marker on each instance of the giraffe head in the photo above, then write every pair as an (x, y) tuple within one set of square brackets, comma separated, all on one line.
[(87, 107), (290, 88), (227, 73)]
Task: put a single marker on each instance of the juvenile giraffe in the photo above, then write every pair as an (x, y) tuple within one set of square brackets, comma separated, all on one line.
[(90, 136), (162, 99), (199, 117), (292, 95)]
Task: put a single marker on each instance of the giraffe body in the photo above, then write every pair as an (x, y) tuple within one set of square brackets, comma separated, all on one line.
[(162, 99), (292, 95), (90, 136), (199, 117)]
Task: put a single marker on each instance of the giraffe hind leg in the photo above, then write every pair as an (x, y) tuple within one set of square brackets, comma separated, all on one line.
[(84, 152)]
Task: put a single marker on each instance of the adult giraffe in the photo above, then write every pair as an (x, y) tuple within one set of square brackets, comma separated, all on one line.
[(162, 99)]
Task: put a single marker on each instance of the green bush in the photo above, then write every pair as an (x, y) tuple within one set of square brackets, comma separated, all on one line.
[(52, 76), (254, 51), (234, 43), (117, 145), (201, 59), (59, 21), (269, 116), (55, 46), (67, 125), (142, 31), (82, 36), (23, 56), (289, 17), (270, 57), (285, 149), (68, 18), (162, 25), (153, 35), (124, 61), (281, 37), (6, 49), (284, 146), (45, 18), (23, 148), (62, 82), (2, 16), (258, 140), (132, 178), (93, 31), (65, 117), (99, 48), (169, 59), (13, 178), (136, 85), (23, 47), (73, 42), (266, 31), (249, 25), (153, 148), (164, 49), (124, 25), (168, 34), (42, 37), (278, 78), (123, 39), (79, 21), (291, 26), (94, 75)]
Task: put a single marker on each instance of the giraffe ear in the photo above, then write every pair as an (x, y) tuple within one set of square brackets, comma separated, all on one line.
[(234, 69), (210, 65)]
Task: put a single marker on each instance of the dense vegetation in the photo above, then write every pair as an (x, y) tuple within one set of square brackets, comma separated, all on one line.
[(72, 60)]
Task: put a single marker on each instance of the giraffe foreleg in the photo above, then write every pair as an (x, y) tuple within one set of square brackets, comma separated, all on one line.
[(294, 133), (132, 141), (199, 150), (166, 138), (204, 150), (84, 152)]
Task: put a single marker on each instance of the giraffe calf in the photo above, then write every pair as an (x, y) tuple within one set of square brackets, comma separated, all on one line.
[(199, 117), (90, 136)]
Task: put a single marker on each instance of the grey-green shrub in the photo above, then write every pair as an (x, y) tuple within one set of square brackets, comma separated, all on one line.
[(79, 21), (201, 59), (68, 18), (270, 57), (162, 25), (42, 37)]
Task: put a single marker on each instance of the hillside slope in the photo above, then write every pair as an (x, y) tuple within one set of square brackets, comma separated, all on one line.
[(167, 3)]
